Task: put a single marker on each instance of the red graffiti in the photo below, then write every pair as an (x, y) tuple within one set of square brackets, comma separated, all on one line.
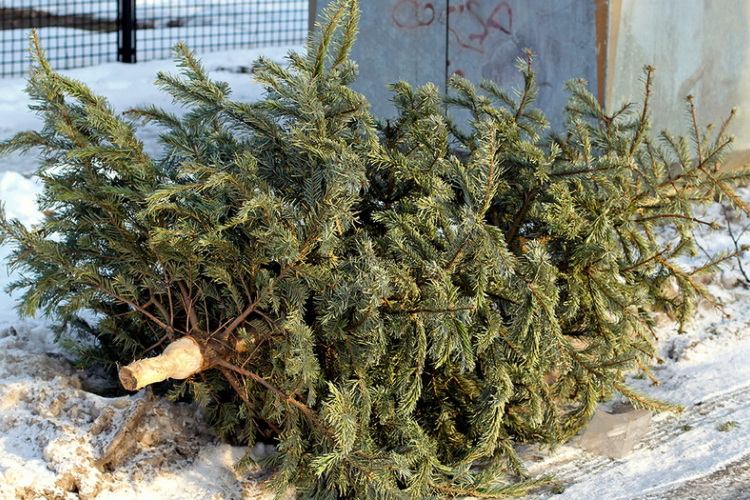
[(474, 28), (501, 13), (410, 14)]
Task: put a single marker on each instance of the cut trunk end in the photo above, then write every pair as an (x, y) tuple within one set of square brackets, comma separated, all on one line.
[(181, 359)]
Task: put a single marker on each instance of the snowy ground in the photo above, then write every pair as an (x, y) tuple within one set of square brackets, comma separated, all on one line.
[(56, 436), (209, 24)]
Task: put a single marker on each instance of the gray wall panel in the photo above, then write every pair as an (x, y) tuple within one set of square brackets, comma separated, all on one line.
[(406, 39)]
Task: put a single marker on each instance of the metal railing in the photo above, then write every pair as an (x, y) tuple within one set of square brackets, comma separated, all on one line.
[(78, 33)]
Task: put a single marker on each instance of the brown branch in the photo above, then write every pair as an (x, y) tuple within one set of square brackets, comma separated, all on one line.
[(654, 381), (432, 311), (232, 379), (248, 293), (644, 112), (231, 327), (160, 342), (288, 399), (163, 311), (188, 302), (695, 128), (132, 304), (519, 217), (642, 263), (677, 272), (674, 216), (723, 130), (738, 252), (460, 250)]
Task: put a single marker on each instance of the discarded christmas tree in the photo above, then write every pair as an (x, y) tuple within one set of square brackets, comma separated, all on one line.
[(394, 303)]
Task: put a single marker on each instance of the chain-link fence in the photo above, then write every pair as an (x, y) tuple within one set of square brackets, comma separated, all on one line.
[(79, 33)]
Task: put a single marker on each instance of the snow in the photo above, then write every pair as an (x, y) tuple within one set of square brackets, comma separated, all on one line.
[(54, 431), (208, 24)]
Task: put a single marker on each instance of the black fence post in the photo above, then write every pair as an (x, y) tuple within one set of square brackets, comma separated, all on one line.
[(312, 16), (126, 31)]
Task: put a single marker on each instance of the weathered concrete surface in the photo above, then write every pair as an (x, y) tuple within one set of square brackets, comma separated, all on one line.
[(398, 40), (424, 41), (699, 48), (487, 37)]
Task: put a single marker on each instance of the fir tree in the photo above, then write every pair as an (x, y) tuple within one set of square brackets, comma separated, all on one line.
[(393, 302)]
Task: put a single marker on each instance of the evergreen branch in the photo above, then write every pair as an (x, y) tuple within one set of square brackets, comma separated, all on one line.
[(322, 282), (513, 348), (694, 286), (646, 401), (715, 153), (586, 170), (696, 132), (514, 490), (491, 174), (352, 328), (527, 87), (729, 193), (586, 146), (625, 308), (592, 105), (350, 33), (325, 40), (715, 263)]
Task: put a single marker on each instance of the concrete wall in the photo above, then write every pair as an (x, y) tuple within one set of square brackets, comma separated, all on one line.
[(698, 47), (487, 38), (398, 40), (424, 41)]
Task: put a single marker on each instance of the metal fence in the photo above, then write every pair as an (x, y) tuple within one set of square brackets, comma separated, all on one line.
[(78, 33)]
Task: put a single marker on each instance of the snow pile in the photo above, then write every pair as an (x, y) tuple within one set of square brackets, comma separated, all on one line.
[(58, 440)]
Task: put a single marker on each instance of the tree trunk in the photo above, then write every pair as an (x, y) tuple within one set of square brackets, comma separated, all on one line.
[(181, 359)]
